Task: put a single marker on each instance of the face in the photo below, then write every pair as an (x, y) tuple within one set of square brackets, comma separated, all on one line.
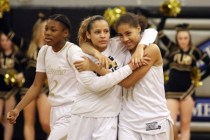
[(55, 34), (130, 36), (99, 34), (183, 39), (5, 42)]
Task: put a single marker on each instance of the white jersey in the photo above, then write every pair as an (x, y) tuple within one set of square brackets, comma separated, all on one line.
[(101, 97), (60, 74), (145, 104)]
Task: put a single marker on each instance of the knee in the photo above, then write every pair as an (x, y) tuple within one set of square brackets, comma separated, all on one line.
[(45, 126)]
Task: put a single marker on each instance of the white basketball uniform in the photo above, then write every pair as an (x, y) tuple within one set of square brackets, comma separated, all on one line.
[(96, 108), (62, 87), (144, 115), (95, 111)]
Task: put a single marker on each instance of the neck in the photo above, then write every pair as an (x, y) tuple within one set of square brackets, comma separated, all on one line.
[(8, 52), (133, 49), (100, 49), (58, 46), (185, 49)]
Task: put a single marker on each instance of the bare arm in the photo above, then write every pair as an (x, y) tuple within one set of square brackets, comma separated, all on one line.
[(88, 65), (156, 59), (149, 36), (93, 82), (31, 94), (89, 49)]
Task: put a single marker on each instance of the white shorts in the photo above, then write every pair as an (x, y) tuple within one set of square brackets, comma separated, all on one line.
[(89, 128), (128, 134), (60, 118)]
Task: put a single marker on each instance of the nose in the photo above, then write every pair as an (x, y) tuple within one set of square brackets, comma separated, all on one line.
[(124, 38), (46, 32), (102, 35)]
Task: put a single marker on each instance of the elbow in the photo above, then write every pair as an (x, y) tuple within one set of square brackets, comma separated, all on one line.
[(127, 85), (94, 88)]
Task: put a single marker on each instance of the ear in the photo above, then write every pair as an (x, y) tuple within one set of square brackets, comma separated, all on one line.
[(139, 29), (88, 35), (66, 33)]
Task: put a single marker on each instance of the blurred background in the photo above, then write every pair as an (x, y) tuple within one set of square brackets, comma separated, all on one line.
[(20, 16)]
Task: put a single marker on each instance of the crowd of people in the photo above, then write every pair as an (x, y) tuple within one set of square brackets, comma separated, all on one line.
[(104, 87)]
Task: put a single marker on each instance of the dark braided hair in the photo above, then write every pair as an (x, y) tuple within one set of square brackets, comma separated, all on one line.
[(64, 20)]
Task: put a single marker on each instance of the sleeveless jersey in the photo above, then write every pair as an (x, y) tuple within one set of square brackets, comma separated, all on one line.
[(145, 103)]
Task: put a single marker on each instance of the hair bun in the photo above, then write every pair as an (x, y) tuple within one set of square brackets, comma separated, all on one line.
[(182, 26), (41, 16)]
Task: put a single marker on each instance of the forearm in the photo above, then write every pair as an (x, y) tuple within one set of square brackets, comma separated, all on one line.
[(33, 91), (139, 73), (88, 48), (132, 79), (101, 70), (161, 24), (99, 83), (164, 38), (205, 74), (31, 94)]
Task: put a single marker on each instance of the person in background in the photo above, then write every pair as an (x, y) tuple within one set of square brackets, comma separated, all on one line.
[(182, 57), (31, 48), (40, 103), (11, 64)]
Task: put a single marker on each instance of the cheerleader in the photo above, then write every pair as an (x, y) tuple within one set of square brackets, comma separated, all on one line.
[(31, 48), (11, 62), (182, 57)]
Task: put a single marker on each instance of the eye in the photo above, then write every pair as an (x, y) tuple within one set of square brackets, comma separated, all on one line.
[(120, 35), (106, 31), (97, 32), (128, 33), (53, 30), (45, 29)]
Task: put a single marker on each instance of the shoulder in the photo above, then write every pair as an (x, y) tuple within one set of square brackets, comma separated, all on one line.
[(116, 44), (153, 48), (196, 51), (154, 53), (70, 44), (73, 47), (44, 49), (115, 39), (74, 51)]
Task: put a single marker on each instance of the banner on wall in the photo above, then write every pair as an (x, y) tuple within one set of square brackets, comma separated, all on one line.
[(205, 46), (201, 111)]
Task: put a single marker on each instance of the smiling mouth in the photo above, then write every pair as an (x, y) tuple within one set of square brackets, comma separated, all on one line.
[(128, 44)]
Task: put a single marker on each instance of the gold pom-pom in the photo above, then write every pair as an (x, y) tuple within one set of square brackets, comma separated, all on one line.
[(170, 8), (166, 77), (111, 15), (196, 77), (4, 7), (10, 77)]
